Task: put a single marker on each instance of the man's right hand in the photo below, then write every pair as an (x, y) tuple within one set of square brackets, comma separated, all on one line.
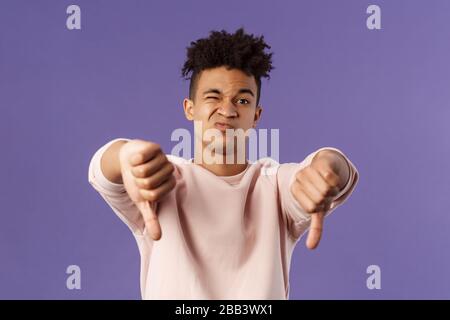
[(147, 175)]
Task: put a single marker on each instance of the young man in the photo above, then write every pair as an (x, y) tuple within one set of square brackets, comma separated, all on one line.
[(215, 229)]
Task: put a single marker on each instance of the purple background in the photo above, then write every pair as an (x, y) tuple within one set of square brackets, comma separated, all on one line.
[(381, 96)]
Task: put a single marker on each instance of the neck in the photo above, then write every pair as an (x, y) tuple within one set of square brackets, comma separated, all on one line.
[(219, 165), (223, 169)]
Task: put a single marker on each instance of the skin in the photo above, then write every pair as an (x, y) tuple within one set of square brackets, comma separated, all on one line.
[(316, 187), (226, 96)]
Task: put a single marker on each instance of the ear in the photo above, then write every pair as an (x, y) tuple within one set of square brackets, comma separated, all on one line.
[(188, 106), (258, 111)]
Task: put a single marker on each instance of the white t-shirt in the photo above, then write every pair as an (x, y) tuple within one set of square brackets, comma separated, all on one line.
[(222, 237)]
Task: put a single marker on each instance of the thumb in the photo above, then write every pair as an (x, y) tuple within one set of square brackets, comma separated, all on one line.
[(315, 230), (151, 221)]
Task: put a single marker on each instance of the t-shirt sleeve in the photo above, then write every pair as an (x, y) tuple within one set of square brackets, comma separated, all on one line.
[(298, 220), (114, 194)]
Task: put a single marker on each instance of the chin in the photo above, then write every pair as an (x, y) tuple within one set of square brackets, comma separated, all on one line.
[(221, 146)]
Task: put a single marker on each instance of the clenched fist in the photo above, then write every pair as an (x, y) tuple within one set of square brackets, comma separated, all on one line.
[(315, 188), (147, 176)]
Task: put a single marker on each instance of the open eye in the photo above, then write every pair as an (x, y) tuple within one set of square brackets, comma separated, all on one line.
[(243, 101)]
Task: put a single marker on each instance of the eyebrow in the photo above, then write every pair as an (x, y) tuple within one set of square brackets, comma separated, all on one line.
[(217, 91)]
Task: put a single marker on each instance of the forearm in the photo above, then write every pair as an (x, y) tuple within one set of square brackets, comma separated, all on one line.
[(110, 164)]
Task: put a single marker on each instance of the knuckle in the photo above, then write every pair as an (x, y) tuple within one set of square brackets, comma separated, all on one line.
[(136, 157), (327, 174), (306, 205), (148, 195), (309, 208), (143, 194), (151, 183), (331, 178), (141, 172), (299, 175), (152, 195), (154, 147), (335, 181), (147, 183)]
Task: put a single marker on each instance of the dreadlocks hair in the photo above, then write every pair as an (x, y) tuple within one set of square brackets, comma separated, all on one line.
[(240, 51)]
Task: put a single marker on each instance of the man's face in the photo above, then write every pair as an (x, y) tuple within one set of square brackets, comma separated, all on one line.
[(224, 99)]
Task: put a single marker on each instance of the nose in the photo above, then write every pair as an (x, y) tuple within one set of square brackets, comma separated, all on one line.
[(227, 109)]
